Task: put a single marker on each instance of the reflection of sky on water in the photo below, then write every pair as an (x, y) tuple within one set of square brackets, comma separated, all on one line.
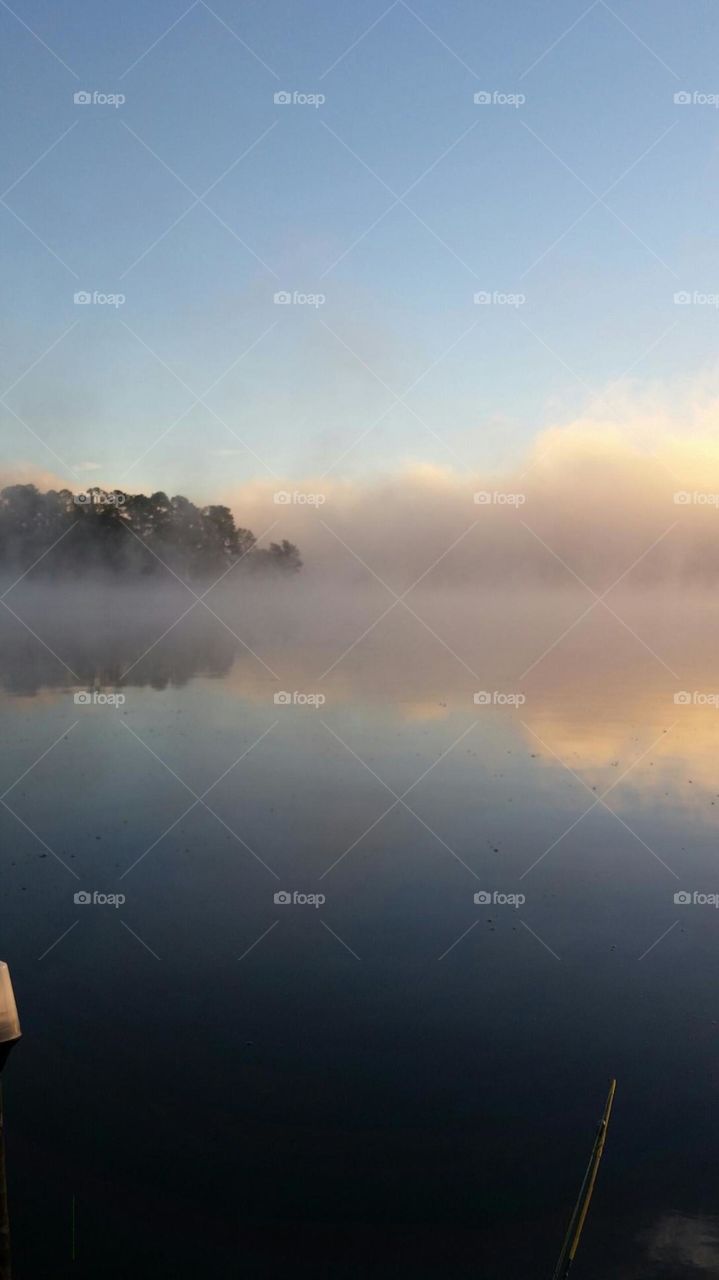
[(341, 1073)]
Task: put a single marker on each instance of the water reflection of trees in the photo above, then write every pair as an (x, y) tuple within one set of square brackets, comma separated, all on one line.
[(101, 652)]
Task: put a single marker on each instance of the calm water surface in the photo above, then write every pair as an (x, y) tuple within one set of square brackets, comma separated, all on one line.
[(399, 1081)]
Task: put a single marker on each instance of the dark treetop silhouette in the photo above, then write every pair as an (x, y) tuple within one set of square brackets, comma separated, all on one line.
[(128, 534)]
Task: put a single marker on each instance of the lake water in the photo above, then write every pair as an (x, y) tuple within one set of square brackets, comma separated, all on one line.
[(397, 1080)]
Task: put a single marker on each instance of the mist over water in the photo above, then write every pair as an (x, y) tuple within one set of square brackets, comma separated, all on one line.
[(304, 738)]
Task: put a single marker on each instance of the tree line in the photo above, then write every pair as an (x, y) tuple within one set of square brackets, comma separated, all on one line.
[(128, 534)]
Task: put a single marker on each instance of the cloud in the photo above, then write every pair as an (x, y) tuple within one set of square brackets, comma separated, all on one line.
[(586, 502), (29, 473), (682, 1242)]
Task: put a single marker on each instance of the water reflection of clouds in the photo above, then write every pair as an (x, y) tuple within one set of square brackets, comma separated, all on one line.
[(596, 703), (680, 1245)]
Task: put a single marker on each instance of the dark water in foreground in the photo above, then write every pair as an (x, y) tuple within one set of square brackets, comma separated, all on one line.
[(399, 1081)]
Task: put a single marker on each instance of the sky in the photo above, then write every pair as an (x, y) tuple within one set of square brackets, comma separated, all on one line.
[(580, 199)]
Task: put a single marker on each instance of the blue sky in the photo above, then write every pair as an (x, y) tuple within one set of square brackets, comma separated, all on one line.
[(312, 199)]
